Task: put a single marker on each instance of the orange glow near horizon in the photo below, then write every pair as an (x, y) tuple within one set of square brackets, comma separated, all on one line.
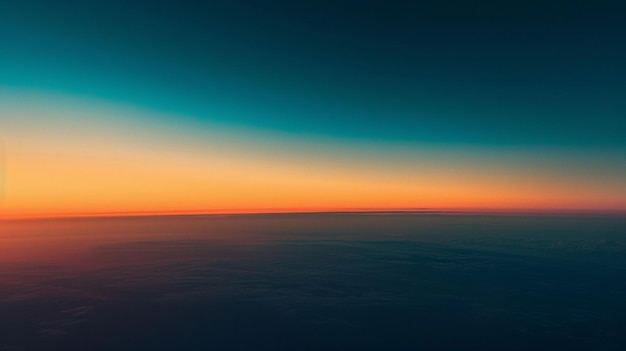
[(44, 184), (76, 167)]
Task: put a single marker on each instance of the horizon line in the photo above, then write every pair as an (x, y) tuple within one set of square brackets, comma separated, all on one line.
[(364, 211)]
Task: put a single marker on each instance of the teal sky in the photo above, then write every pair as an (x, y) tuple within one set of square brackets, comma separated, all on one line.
[(532, 74)]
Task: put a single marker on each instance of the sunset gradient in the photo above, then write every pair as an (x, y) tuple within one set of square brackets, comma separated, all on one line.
[(66, 156), (237, 107)]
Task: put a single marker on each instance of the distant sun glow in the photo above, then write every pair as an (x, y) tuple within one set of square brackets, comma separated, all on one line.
[(81, 165)]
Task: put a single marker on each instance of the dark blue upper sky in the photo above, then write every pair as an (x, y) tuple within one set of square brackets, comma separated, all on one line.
[(528, 73)]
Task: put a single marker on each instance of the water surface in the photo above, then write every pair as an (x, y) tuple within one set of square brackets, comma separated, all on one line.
[(314, 282)]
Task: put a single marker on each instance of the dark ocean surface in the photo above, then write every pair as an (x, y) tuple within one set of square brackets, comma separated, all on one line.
[(314, 282)]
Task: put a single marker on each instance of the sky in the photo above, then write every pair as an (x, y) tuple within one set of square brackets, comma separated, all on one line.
[(240, 106)]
